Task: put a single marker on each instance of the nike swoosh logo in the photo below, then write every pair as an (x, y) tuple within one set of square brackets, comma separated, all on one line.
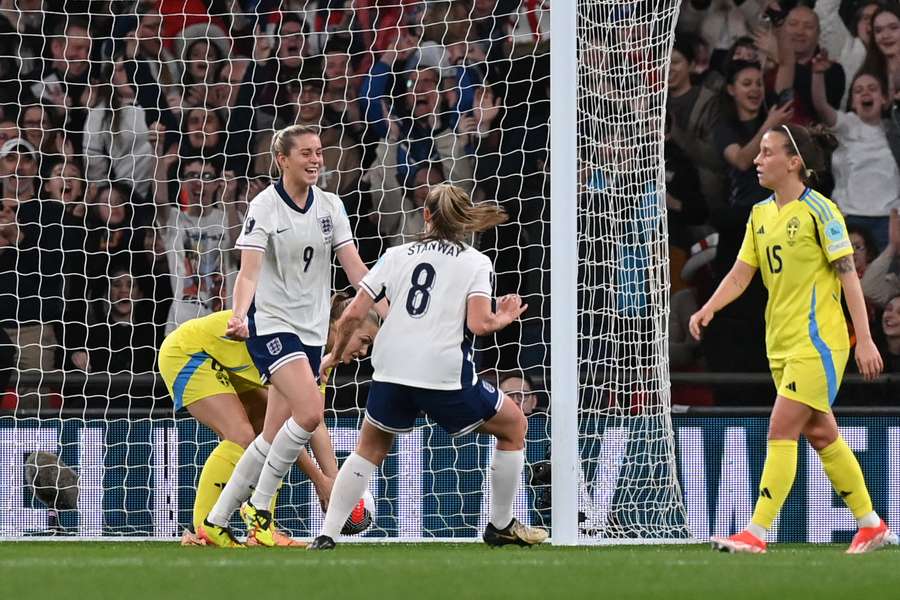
[(282, 230)]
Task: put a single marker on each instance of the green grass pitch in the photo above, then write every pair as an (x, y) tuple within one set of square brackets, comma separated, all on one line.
[(134, 571)]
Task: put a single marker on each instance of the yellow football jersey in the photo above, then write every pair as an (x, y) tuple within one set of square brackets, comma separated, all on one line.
[(207, 335), (793, 249)]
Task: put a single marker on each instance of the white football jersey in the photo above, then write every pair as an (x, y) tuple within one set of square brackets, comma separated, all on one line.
[(294, 289), (424, 342)]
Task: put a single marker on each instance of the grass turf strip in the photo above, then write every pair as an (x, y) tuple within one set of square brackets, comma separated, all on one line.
[(135, 571)]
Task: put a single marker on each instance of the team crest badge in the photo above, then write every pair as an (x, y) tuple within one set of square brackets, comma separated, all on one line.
[(274, 347), (793, 227), (327, 228), (248, 226)]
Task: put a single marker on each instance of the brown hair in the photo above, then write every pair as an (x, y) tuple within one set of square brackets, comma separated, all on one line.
[(284, 139), (453, 216), (810, 145)]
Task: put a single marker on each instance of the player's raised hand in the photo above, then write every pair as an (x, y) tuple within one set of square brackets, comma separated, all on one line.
[(510, 306), (868, 359), (237, 328), (700, 320)]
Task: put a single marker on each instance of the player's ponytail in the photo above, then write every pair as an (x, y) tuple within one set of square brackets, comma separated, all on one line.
[(812, 146), (453, 216)]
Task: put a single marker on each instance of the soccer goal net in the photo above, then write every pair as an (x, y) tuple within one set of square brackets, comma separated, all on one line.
[(133, 135)]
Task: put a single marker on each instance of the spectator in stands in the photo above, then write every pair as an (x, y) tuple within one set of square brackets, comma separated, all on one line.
[(65, 78), (41, 125), (116, 138), (64, 182), (277, 60), (199, 226), (881, 280), (848, 46), (202, 54), (890, 335), (694, 110), (484, 130), (866, 169), (18, 170), (518, 387), (8, 130), (864, 249), (724, 22), (685, 203), (152, 69), (121, 334), (115, 225), (737, 135), (204, 133), (341, 86), (883, 56), (798, 45), (31, 265), (398, 208)]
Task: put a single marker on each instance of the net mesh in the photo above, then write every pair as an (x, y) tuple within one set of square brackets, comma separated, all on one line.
[(135, 134), (630, 485)]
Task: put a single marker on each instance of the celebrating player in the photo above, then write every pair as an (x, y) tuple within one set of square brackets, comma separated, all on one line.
[(798, 238), (213, 378), (281, 309), (440, 290)]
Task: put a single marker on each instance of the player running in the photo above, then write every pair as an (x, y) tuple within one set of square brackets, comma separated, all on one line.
[(214, 379), (281, 298), (440, 291), (799, 240)]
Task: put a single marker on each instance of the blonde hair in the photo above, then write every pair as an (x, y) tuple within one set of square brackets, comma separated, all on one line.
[(339, 303), (453, 216), (284, 139)]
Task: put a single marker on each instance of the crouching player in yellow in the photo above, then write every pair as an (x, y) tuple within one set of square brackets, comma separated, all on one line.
[(798, 240), (214, 379)]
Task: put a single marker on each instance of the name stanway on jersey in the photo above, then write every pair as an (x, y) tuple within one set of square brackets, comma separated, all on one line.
[(295, 281), (424, 342)]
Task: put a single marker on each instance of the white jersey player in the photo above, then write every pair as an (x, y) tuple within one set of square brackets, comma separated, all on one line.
[(281, 306), (440, 294)]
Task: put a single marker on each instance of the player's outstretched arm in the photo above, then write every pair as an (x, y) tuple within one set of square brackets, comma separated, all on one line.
[(481, 320), (356, 269), (244, 290), (868, 358), (731, 288)]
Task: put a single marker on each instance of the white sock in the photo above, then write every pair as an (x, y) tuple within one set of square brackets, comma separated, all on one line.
[(349, 485), (240, 484), (870, 520), (757, 530), (506, 472), (286, 446)]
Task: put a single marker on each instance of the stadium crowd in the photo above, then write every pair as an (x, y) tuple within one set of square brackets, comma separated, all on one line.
[(133, 133), (739, 69)]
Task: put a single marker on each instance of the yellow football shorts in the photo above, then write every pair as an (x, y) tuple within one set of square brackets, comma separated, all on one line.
[(812, 380), (190, 377)]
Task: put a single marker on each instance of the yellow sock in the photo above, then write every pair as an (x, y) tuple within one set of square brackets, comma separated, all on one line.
[(275, 498), (843, 470), (776, 482), (215, 474)]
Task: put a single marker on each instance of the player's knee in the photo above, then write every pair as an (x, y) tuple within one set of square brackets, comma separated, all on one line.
[(242, 435), (308, 419), (819, 437)]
